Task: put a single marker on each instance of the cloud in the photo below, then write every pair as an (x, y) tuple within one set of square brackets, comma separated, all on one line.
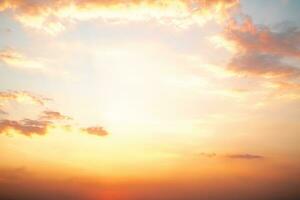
[(15, 59), (231, 156), (29, 127), (268, 66), (52, 15), (26, 127), (96, 130), (22, 97), (244, 156), (247, 37), (284, 90), (264, 53), (54, 115), (260, 51), (46, 120)]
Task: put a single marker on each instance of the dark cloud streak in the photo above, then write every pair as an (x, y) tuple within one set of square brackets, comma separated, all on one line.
[(244, 156)]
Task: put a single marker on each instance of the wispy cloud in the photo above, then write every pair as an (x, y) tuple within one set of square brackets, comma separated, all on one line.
[(244, 156), (16, 59), (46, 120), (22, 97), (53, 115), (29, 127)]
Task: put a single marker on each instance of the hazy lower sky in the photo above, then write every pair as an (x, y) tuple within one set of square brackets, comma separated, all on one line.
[(149, 99)]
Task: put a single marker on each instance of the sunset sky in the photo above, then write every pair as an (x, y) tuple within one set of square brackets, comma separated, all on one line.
[(149, 99)]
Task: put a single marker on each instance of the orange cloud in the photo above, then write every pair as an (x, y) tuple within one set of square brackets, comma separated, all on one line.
[(29, 127), (45, 120), (268, 66), (52, 15), (22, 97), (26, 127), (53, 115), (261, 52), (284, 90), (97, 130), (248, 37)]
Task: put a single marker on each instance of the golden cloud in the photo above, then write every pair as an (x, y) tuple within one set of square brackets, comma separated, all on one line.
[(29, 127), (52, 15)]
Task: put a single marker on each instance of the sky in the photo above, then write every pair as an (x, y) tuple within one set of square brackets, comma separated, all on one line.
[(149, 99)]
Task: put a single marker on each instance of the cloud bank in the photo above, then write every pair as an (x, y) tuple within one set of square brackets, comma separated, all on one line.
[(52, 15)]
